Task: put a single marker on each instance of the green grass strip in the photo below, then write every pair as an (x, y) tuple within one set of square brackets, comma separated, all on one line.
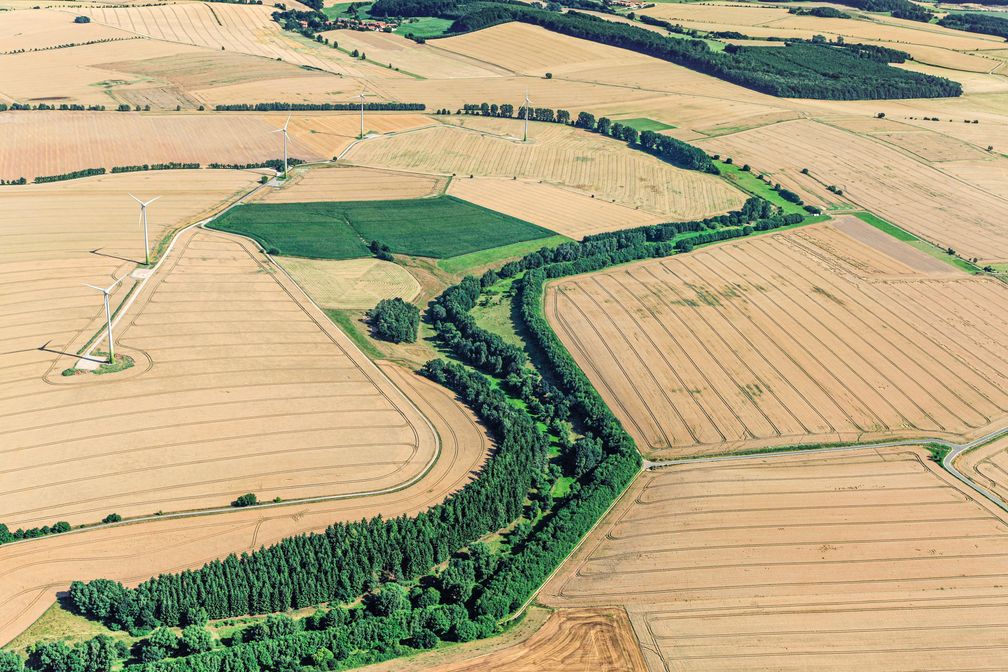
[(915, 242), (465, 262)]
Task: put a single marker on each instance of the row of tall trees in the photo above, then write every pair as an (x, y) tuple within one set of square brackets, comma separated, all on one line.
[(276, 106), (976, 22), (824, 71)]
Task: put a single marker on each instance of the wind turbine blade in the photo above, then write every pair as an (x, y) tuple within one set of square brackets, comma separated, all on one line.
[(93, 287), (136, 199), (114, 284), (151, 201), (287, 122)]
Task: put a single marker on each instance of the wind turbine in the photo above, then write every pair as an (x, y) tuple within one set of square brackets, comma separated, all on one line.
[(361, 96), (143, 219), (284, 131), (108, 316), (527, 101)]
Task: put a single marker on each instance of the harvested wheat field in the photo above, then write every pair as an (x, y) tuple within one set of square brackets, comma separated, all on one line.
[(47, 143), (570, 640), (351, 183), (53, 237), (47, 28), (568, 212), (907, 192), (31, 573), (351, 283), (825, 333), (229, 358), (427, 60), (555, 154), (531, 50), (246, 29), (852, 560), (987, 466)]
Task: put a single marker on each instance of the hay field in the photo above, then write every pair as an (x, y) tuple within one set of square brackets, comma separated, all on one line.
[(56, 236), (228, 359), (351, 183), (555, 154), (426, 60), (351, 283), (847, 561), (245, 29), (896, 187), (825, 333), (44, 28), (45, 143), (85, 76), (570, 213), (988, 467), (527, 49), (32, 573)]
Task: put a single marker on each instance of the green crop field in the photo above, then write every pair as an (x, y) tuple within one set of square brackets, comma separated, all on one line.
[(642, 124), (428, 227), (425, 26), (339, 10)]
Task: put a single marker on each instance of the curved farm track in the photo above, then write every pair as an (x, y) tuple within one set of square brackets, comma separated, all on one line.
[(241, 385)]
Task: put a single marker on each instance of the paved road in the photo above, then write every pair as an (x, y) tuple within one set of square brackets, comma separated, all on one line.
[(955, 450)]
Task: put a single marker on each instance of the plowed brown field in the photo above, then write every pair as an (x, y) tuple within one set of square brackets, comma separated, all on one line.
[(853, 560), (809, 335)]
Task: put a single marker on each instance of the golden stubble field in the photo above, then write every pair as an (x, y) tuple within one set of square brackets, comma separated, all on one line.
[(851, 560), (825, 333), (988, 467), (234, 367), (50, 143), (894, 185), (354, 284), (353, 183), (563, 155)]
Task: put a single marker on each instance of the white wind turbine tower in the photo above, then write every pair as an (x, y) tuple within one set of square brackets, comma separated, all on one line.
[(527, 102), (284, 131), (108, 316), (361, 96), (143, 219)]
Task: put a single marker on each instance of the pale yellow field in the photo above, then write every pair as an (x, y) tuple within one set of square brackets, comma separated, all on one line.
[(242, 28), (352, 183), (568, 212), (822, 334), (46, 143), (556, 154), (43, 28), (987, 466), (907, 192), (527, 49), (355, 284), (846, 562), (84, 75), (427, 60)]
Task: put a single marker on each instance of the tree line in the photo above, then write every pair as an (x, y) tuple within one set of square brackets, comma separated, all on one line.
[(823, 71), (390, 106), (665, 147), (976, 23), (171, 165), (371, 560)]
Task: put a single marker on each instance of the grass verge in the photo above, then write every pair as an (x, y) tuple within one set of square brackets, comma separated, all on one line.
[(915, 242), (466, 262), (749, 183), (347, 321)]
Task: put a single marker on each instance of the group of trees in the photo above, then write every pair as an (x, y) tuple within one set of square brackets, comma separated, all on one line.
[(798, 70), (63, 107), (171, 165), (976, 22), (395, 320), (6, 536), (389, 106), (73, 175), (665, 147), (275, 164), (821, 12)]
